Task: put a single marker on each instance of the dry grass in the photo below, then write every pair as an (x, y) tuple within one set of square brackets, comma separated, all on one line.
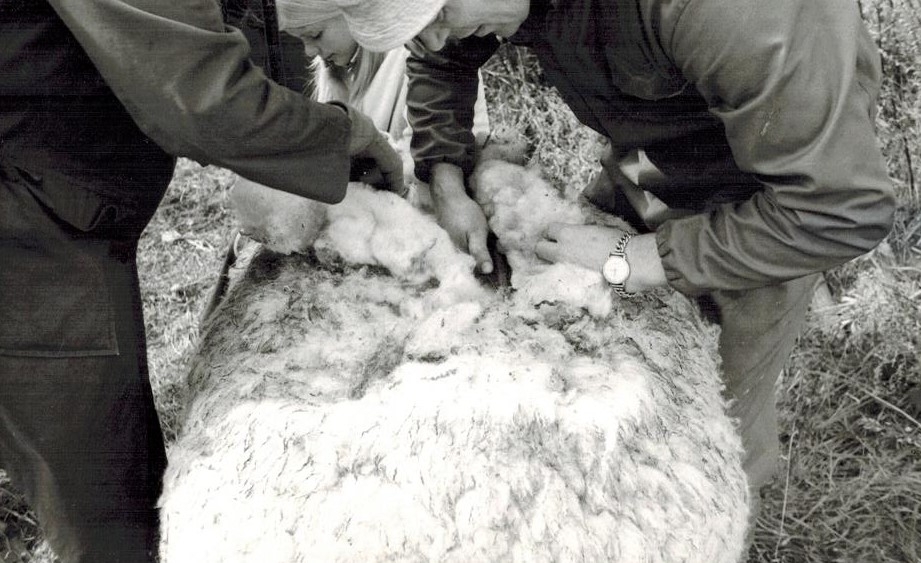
[(896, 27), (18, 529), (179, 259), (850, 400)]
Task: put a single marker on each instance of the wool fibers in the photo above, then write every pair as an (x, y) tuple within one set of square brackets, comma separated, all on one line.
[(369, 399)]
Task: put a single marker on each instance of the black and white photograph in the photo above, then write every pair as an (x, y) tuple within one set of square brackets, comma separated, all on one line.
[(460, 281)]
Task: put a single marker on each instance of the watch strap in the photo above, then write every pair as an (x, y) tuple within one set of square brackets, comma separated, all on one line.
[(620, 250)]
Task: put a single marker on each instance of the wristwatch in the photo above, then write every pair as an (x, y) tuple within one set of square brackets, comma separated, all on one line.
[(616, 269)]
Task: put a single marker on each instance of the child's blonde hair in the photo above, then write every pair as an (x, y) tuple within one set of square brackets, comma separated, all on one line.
[(345, 84), (337, 83)]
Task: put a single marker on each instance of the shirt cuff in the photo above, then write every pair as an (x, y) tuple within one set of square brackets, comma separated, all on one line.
[(672, 262)]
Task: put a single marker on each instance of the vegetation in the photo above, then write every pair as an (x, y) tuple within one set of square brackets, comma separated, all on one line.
[(850, 398)]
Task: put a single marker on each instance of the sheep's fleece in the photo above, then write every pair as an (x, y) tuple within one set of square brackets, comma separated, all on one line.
[(369, 399)]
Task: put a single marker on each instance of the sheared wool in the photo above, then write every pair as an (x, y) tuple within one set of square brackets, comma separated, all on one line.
[(284, 222), (370, 400)]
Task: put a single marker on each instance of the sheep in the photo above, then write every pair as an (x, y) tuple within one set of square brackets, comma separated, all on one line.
[(368, 398)]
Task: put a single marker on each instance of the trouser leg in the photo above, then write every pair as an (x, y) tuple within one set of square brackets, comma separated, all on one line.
[(759, 330), (81, 438), (79, 434)]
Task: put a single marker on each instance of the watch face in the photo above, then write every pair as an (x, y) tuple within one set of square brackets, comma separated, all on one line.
[(616, 270)]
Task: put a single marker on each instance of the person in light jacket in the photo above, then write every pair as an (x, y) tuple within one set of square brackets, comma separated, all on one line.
[(373, 82)]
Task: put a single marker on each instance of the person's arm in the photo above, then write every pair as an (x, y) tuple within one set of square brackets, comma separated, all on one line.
[(795, 85), (440, 101), (187, 82)]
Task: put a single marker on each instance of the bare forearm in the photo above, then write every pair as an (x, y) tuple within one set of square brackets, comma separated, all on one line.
[(447, 183), (646, 271)]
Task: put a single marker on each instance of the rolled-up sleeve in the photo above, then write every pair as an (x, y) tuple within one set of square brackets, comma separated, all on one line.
[(188, 84), (440, 102), (795, 85)]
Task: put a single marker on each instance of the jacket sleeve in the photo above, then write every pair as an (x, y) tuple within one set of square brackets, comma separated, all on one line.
[(440, 101), (795, 85), (187, 82)]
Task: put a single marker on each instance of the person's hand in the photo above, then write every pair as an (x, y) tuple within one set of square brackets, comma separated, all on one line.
[(460, 215), (585, 245), (367, 143), (590, 245)]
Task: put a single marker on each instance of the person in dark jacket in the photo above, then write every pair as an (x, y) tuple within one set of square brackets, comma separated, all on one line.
[(97, 98), (741, 141)]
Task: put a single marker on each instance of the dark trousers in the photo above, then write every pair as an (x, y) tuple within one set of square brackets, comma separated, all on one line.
[(79, 435)]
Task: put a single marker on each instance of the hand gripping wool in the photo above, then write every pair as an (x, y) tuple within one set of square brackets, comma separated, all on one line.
[(371, 400)]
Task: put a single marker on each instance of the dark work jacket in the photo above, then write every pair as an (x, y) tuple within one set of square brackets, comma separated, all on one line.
[(61, 123), (293, 70), (97, 98), (73, 73), (761, 114)]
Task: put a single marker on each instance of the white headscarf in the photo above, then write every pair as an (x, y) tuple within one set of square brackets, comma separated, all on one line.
[(377, 25), (302, 13), (381, 25)]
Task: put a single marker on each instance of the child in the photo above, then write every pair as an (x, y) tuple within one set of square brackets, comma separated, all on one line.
[(373, 83)]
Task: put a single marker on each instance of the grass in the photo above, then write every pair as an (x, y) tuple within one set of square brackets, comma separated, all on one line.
[(179, 259), (850, 399)]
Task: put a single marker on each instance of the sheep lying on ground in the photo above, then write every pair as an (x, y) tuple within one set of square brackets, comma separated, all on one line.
[(371, 400)]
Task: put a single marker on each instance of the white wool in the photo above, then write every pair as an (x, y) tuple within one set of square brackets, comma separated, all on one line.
[(372, 402), (284, 222), (441, 330), (379, 228), (520, 204), (562, 282)]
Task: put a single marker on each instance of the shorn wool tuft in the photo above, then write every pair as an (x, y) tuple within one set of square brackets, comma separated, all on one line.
[(369, 399)]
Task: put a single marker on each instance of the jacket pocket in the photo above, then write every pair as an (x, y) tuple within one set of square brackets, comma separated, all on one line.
[(633, 71), (54, 294)]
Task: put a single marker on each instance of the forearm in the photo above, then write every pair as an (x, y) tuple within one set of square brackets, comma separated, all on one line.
[(762, 242), (646, 271)]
